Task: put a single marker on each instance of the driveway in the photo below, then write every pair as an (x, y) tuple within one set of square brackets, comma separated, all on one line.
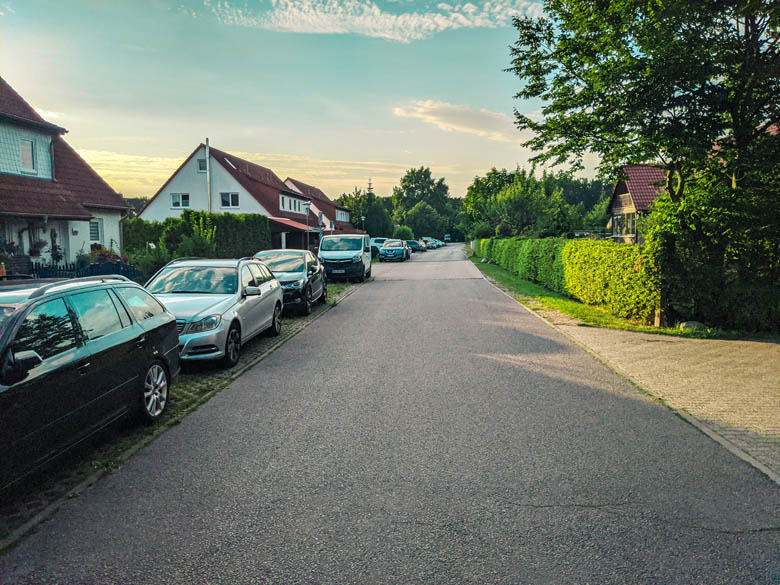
[(428, 429)]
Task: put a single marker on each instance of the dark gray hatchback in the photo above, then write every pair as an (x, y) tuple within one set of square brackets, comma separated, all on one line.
[(76, 355)]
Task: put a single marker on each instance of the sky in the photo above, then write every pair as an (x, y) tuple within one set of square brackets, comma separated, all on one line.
[(330, 92)]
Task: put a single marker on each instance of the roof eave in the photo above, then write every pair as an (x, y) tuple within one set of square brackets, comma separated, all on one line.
[(47, 127)]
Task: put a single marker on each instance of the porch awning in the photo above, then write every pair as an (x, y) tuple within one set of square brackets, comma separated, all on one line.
[(293, 225)]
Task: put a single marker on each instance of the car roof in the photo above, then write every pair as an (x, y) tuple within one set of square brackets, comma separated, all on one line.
[(281, 251), (218, 263), (19, 292)]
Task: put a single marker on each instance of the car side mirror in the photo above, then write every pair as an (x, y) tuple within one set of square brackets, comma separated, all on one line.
[(251, 291), (367, 249), (312, 270), (23, 362)]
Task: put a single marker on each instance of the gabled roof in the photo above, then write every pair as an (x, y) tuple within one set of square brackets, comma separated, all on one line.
[(31, 197), (323, 204), (87, 187), (14, 109), (644, 183), (260, 182)]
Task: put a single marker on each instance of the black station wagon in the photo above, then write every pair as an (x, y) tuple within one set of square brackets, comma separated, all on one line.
[(76, 355)]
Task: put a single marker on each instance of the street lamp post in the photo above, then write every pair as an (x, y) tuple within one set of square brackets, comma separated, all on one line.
[(306, 205)]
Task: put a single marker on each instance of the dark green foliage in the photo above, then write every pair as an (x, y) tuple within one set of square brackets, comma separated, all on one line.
[(425, 221), (418, 186), (195, 233), (403, 232), (363, 204)]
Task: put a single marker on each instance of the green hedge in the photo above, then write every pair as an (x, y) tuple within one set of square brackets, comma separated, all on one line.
[(623, 279), (237, 235)]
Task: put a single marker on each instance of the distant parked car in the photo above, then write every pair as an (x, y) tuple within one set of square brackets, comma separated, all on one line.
[(423, 245), (301, 275), (432, 242), (414, 245), (447, 239), (346, 256), (219, 305), (76, 355), (394, 250), (375, 244)]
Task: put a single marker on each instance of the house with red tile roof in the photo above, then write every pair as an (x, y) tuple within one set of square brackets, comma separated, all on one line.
[(333, 218), (632, 196), (51, 201), (213, 180)]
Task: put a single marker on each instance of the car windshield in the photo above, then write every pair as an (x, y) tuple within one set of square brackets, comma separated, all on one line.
[(392, 244), (220, 280), (282, 261), (341, 244)]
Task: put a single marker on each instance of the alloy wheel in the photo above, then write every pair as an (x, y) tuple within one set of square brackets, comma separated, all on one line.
[(155, 391)]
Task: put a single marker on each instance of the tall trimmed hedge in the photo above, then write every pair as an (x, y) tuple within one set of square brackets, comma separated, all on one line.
[(623, 279), (237, 235)]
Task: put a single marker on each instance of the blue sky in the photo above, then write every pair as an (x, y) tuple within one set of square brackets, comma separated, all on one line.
[(330, 92)]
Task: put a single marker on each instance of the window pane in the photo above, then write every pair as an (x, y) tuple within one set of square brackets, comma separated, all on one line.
[(234, 199), (141, 303), (96, 314), (246, 277), (47, 330), (225, 199), (94, 230), (175, 200), (185, 199), (201, 164), (26, 154), (257, 274)]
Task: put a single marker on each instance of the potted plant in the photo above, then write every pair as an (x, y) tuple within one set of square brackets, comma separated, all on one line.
[(36, 247)]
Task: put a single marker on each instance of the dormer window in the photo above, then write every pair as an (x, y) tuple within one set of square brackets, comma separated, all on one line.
[(27, 156), (342, 215), (291, 204)]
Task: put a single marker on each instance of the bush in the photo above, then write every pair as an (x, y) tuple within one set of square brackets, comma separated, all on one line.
[(403, 232), (623, 279)]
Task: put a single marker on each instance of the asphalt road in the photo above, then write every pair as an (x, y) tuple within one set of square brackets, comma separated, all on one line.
[(426, 430)]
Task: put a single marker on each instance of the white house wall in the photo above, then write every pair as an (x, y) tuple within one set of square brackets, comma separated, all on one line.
[(78, 236), (189, 180)]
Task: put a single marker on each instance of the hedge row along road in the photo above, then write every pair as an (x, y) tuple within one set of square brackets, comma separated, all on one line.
[(428, 429)]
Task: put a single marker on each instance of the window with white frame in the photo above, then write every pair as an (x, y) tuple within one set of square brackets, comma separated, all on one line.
[(96, 230), (229, 199), (27, 155), (342, 215), (179, 200), (201, 165), (291, 204)]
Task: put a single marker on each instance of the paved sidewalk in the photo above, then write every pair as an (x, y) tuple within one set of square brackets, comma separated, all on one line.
[(732, 388)]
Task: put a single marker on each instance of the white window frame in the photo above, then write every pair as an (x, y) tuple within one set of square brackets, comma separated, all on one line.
[(34, 168), (342, 215), (98, 221), (180, 200), (230, 200), (203, 170)]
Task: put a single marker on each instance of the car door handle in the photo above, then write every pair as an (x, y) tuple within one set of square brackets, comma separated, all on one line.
[(141, 342), (82, 369)]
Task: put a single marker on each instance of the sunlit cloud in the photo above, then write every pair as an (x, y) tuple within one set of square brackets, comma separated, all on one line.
[(367, 18), (49, 114), (454, 118)]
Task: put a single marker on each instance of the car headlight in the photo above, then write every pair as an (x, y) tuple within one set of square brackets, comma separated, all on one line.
[(205, 324), (294, 284), (357, 258)]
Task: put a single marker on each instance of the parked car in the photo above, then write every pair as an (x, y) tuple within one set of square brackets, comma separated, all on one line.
[(423, 245), (447, 239), (394, 250), (219, 305), (346, 256), (76, 355), (414, 246), (432, 243), (301, 275)]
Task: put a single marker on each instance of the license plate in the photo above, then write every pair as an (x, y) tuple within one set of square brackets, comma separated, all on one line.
[(338, 271)]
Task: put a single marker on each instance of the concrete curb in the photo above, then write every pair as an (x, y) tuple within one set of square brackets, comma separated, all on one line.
[(49, 510), (711, 433)]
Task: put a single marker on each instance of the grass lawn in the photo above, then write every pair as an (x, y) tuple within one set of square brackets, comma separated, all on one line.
[(538, 298)]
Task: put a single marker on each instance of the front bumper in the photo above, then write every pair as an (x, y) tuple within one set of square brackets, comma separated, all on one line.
[(208, 345), (292, 297), (394, 256), (344, 269)]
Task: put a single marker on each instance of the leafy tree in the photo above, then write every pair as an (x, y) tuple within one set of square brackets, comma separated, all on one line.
[(640, 80), (403, 232), (368, 205), (419, 185), (424, 220), (483, 190)]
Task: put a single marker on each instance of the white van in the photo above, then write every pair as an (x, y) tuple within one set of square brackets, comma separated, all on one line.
[(346, 256)]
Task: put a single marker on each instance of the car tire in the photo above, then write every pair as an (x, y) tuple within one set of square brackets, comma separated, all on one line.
[(276, 322), (368, 274), (154, 393), (232, 347), (324, 295), (306, 306)]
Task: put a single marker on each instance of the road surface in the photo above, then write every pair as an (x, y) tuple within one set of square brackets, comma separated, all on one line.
[(426, 430)]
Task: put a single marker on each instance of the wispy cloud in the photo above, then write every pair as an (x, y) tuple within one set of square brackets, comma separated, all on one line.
[(49, 114), (454, 118), (367, 18), (6, 9)]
